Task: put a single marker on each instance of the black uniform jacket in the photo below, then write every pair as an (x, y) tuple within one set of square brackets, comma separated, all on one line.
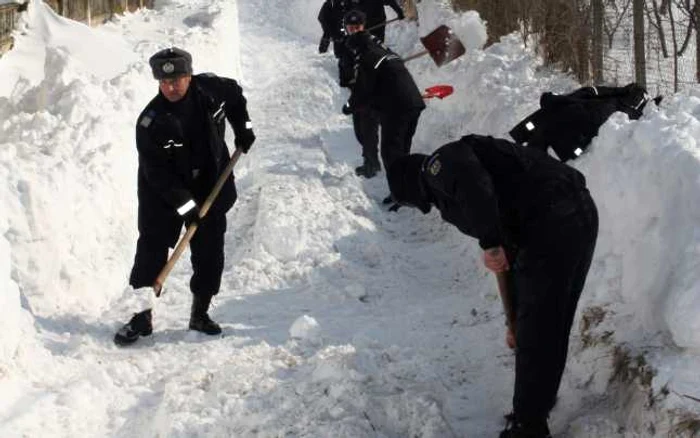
[(375, 11), (182, 152), (331, 18), (567, 123), (382, 81), (494, 190)]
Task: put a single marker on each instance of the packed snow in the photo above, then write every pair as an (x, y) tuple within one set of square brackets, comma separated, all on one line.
[(340, 318)]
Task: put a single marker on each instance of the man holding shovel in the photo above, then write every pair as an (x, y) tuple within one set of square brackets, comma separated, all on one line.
[(182, 153), (537, 224), (383, 85)]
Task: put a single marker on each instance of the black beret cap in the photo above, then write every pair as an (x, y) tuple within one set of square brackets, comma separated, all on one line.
[(171, 63), (354, 17)]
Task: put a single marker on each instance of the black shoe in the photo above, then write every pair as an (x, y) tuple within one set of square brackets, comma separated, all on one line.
[(520, 429), (368, 169), (141, 324), (199, 319), (204, 324)]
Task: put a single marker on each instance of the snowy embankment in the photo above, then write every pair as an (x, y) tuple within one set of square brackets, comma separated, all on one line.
[(340, 319)]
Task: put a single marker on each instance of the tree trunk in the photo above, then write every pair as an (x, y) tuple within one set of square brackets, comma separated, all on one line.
[(597, 61), (640, 67)]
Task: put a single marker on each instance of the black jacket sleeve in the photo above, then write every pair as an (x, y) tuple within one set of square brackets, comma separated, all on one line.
[(325, 19), (470, 190), (236, 111)]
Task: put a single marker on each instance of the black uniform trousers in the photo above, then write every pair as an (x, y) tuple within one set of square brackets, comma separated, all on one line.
[(207, 257), (549, 273), (365, 123), (397, 133)]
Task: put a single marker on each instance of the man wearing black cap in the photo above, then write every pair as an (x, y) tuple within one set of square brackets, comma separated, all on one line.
[(537, 224), (331, 19), (365, 121), (382, 84), (182, 152)]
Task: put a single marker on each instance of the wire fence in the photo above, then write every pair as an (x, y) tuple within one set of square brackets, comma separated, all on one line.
[(652, 42)]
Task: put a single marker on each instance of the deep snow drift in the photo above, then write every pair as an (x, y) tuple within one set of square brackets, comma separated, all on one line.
[(340, 319)]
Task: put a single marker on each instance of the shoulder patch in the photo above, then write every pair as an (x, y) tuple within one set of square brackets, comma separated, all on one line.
[(434, 165), (147, 119)]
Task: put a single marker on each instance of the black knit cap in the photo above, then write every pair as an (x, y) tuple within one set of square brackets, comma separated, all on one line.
[(354, 17), (405, 175), (171, 63)]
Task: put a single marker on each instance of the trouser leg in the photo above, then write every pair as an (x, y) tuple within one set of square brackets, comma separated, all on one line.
[(397, 134), (207, 256), (549, 276), (151, 256), (366, 126)]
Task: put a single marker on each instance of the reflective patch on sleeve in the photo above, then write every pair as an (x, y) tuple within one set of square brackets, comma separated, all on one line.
[(187, 206), (147, 119), (434, 165), (248, 125), (530, 126), (376, 66), (578, 152)]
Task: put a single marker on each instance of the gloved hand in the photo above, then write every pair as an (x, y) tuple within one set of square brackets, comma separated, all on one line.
[(245, 140), (323, 45), (192, 216), (347, 110)]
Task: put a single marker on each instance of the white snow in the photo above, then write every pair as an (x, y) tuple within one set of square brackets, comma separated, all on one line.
[(340, 319)]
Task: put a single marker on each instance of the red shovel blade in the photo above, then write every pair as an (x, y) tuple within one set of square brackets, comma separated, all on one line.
[(439, 91)]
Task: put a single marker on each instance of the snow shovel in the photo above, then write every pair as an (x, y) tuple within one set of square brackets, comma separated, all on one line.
[(439, 91), (442, 45), (182, 244)]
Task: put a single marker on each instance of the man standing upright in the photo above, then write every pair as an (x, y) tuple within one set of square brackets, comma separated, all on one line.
[(377, 15), (384, 85), (182, 152), (331, 18)]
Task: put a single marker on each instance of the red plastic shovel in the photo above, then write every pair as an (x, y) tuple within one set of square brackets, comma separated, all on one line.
[(439, 91)]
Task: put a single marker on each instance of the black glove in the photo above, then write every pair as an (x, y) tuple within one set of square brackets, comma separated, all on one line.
[(192, 216), (323, 45), (245, 140), (347, 110)]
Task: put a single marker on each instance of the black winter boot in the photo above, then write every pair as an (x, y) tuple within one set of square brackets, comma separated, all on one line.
[(369, 168), (141, 324), (525, 429), (199, 319)]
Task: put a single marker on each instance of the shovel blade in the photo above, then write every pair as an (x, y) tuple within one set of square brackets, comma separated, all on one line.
[(443, 45), (439, 91)]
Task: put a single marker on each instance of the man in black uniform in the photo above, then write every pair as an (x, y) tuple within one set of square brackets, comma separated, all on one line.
[(384, 85), (331, 18), (376, 15), (365, 120), (182, 152), (537, 224)]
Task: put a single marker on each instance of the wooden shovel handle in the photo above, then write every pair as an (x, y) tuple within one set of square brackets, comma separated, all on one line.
[(505, 293), (182, 244)]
